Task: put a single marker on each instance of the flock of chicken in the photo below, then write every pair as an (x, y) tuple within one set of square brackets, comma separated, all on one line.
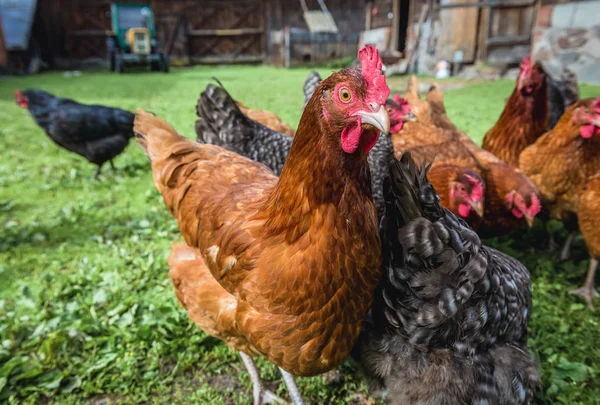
[(339, 240)]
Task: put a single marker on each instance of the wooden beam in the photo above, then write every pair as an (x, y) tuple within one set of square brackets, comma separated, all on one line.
[(513, 40), (229, 59), (368, 15), (395, 26), (492, 4), (226, 32), (90, 33)]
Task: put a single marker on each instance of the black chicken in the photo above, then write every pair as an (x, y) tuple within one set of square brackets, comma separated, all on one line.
[(96, 132), (449, 321), (222, 123)]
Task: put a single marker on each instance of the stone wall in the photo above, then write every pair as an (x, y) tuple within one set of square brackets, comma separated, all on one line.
[(569, 35)]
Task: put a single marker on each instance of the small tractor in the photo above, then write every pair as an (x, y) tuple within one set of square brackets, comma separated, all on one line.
[(132, 41)]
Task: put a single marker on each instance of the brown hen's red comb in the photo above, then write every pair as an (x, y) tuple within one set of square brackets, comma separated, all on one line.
[(370, 65), (526, 65)]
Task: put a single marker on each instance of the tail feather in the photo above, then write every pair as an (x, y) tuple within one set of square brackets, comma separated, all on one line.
[(153, 134), (221, 121), (412, 88), (408, 192)]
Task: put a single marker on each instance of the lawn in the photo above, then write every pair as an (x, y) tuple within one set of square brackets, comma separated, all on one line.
[(87, 310)]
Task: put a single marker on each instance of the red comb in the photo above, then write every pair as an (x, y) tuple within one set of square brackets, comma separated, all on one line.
[(370, 65), (525, 67), (399, 100), (596, 105)]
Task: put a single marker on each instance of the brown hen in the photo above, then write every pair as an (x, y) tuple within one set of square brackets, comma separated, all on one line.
[(437, 110), (525, 116), (562, 161), (282, 259), (589, 223)]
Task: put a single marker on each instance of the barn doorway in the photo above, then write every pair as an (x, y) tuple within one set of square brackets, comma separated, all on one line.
[(403, 24)]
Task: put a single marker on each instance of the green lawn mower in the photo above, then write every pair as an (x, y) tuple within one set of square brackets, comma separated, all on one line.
[(132, 41)]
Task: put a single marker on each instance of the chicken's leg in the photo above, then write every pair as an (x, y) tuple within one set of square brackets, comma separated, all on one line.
[(565, 252), (588, 291), (261, 396), (112, 166), (290, 382), (98, 171)]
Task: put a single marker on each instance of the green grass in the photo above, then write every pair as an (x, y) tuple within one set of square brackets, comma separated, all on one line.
[(87, 311)]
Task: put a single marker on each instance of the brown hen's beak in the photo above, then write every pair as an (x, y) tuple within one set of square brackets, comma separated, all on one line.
[(380, 119), (477, 206), (410, 117), (530, 220)]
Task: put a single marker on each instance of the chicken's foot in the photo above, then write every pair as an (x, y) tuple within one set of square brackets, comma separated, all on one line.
[(565, 252), (260, 394), (290, 382), (588, 291)]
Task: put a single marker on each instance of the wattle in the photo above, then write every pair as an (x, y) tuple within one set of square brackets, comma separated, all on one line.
[(588, 131), (464, 210), (351, 137)]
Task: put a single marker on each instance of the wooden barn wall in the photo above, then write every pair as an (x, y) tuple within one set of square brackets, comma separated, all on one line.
[(76, 29), (349, 15)]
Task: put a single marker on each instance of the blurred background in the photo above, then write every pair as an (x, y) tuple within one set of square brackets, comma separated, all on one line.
[(414, 35)]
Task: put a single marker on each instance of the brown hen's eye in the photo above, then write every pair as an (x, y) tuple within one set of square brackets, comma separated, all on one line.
[(389, 110), (345, 95)]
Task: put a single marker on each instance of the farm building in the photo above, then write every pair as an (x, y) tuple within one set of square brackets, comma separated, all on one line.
[(206, 31), (421, 33), (414, 33)]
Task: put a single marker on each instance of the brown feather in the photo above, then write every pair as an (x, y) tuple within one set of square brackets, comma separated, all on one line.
[(589, 215), (560, 163)]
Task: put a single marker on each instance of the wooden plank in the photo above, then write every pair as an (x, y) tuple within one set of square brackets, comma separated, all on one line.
[(511, 4), (89, 33), (482, 34), (3, 52), (455, 34), (509, 40), (229, 59), (226, 32)]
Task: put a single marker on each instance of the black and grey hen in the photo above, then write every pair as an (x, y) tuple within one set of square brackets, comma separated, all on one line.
[(449, 320), (222, 123), (96, 132)]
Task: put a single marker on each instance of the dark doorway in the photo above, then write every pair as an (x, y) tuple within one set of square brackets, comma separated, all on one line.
[(403, 24)]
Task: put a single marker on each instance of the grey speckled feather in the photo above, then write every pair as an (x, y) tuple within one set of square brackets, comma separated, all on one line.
[(222, 123), (561, 95), (310, 85), (449, 320)]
